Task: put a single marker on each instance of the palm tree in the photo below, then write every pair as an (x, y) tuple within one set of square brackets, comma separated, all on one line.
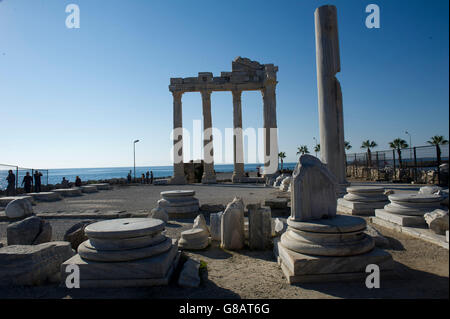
[(317, 149), (398, 144), (368, 145), (438, 140), (302, 150), (347, 145), (281, 156)]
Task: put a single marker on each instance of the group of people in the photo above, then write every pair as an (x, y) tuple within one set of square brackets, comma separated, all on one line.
[(146, 178), (27, 182)]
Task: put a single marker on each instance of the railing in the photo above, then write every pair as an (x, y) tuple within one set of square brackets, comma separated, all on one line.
[(20, 173), (407, 164)]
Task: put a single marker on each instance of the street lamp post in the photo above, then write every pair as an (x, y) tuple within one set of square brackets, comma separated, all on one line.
[(315, 141), (134, 158), (410, 145)]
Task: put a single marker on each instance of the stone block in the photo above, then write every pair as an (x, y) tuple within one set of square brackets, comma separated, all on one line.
[(232, 232), (32, 264), (402, 220), (19, 208), (189, 276), (259, 226), (302, 268)]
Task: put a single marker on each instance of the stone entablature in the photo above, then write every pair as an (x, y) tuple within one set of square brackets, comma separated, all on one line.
[(246, 75)]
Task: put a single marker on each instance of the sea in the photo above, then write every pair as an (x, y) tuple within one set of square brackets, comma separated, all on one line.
[(54, 176)]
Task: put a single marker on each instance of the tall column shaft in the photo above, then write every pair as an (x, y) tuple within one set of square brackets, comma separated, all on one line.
[(270, 129), (331, 120), (178, 164), (209, 176), (238, 139)]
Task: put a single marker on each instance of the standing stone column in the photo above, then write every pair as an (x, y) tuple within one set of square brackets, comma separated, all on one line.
[(209, 176), (331, 121), (270, 121), (178, 164), (238, 140)]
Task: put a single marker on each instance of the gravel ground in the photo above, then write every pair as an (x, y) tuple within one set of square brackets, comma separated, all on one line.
[(422, 268)]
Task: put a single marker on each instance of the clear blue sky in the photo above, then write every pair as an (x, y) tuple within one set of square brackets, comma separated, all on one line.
[(79, 97)]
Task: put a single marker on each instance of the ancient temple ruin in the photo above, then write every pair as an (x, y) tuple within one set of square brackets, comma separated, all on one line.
[(246, 75)]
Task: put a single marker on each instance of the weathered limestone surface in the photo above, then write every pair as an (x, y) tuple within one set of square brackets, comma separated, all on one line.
[(279, 227), (437, 221), (303, 268), (232, 233), (159, 213), (89, 189), (402, 220), (178, 164), (179, 203), (4, 201), (331, 117), (428, 190), (285, 184), (197, 237), (125, 252), (68, 192), (46, 196), (380, 240), (19, 208), (189, 276), (259, 227), (409, 209), (362, 200), (279, 179), (75, 234), (238, 139), (30, 231), (209, 176), (313, 194), (32, 264), (215, 225), (102, 186)]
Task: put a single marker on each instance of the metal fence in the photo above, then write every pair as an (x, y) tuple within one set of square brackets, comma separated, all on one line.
[(20, 173), (407, 164)]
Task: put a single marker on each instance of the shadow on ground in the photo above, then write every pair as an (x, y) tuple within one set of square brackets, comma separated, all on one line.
[(407, 283)]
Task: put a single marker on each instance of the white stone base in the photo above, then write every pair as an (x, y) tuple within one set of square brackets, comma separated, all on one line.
[(358, 208), (177, 180), (402, 220), (424, 233), (153, 271), (302, 268)]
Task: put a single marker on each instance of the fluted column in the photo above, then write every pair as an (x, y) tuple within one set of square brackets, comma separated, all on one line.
[(238, 140), (331, 120), (178, 164), (270, 128), (209, 176)]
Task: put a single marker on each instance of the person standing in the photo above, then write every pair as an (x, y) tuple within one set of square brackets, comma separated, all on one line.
[(78, 181), (129, 177), (11, 188), (37, 181), (147, 177), (27, 180), (151, 177)]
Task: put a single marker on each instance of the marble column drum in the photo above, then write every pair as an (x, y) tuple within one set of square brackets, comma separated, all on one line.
[(209, 176), (409, 209), (331, 117), (238, 139), (125, 252), (179, 203), (178, 164), (362, 200)]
